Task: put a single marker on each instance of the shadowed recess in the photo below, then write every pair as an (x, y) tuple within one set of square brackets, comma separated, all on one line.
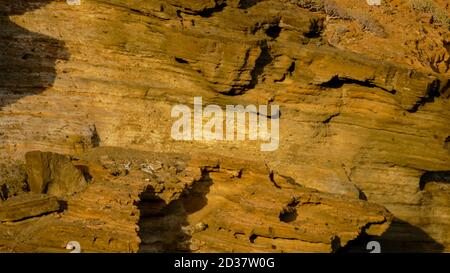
[(245, 4), (27, 59), (164, 227), (438, 176), (400, 237)]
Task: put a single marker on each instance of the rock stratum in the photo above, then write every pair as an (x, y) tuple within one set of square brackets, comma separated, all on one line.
[(86, 152)]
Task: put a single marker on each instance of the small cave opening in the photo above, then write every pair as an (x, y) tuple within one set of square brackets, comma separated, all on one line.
[(206, 13), (273, 31), (63, 205), (245, 4), (181, 60), (434, 176), (289, 213)]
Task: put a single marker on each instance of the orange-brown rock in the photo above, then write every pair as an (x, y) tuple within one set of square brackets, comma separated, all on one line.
[(53, 174), (198, 205), (364, 99), (27, 206)]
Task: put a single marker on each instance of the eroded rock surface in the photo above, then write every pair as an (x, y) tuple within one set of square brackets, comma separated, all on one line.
[(27, 206), (169, 202), (364, 99), (53, 174)]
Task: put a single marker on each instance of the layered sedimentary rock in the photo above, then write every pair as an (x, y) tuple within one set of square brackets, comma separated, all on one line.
[(27, 206), (364, 117), (53, 174), (169, 202)]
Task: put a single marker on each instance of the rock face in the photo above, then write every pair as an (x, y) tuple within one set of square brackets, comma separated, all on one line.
[(53, 174), (197, 204), (364, 124), (27, 206)]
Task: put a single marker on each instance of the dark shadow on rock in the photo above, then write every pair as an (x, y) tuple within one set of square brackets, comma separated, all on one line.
[(27, 59), (437, 176), (400, 237), (245, 4), (164, 227)]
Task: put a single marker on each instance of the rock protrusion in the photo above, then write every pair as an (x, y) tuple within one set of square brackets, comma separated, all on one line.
[(53, 174), (26, 206)]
